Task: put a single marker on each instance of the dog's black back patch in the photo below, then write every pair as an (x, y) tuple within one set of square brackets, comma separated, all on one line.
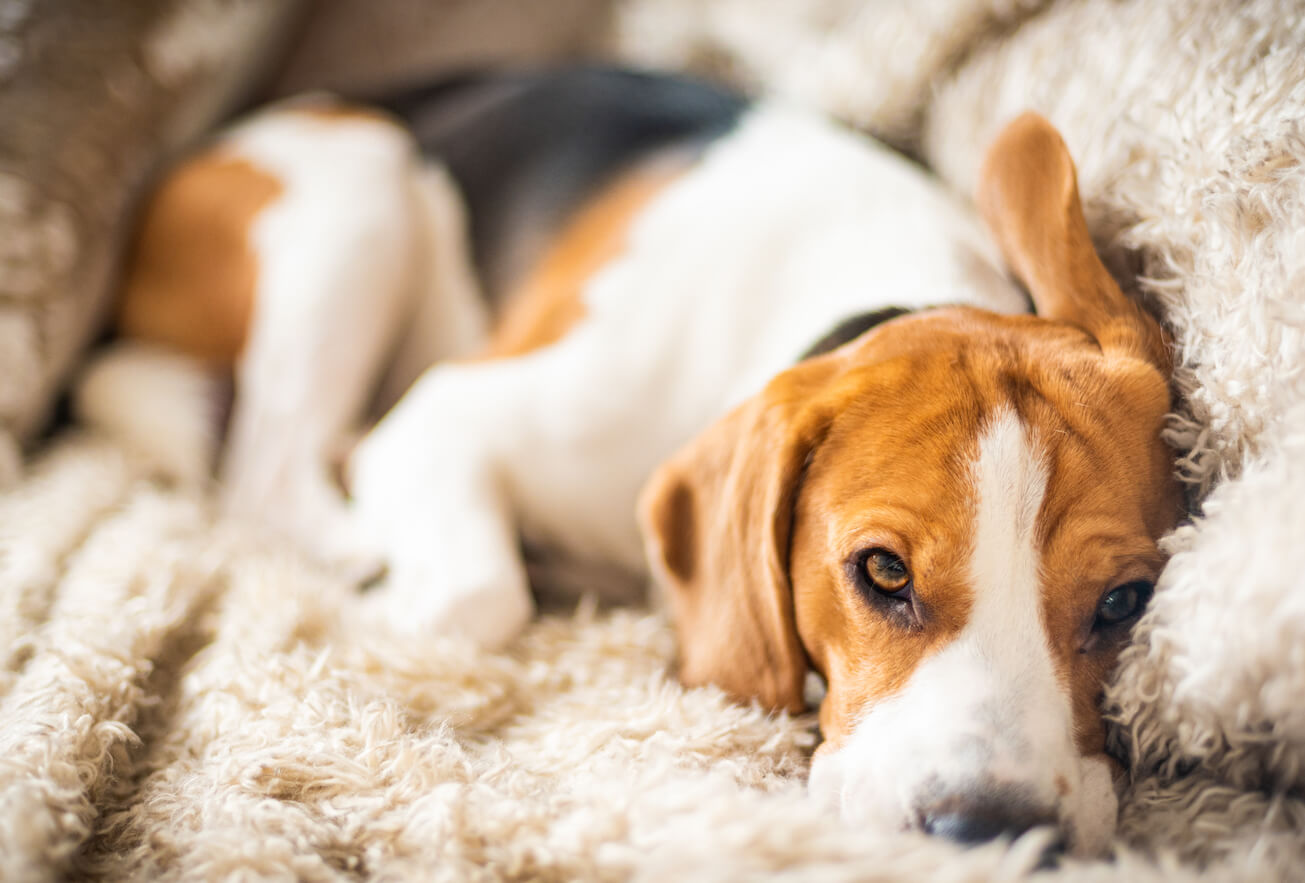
[(528, 148), (850, 329)]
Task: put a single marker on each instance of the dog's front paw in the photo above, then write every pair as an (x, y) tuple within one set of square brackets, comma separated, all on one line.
[(417, 598), (344, 549), (302, 506), (431, 499)]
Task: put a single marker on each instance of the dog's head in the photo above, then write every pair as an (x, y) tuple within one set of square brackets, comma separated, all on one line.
[(953, 519)]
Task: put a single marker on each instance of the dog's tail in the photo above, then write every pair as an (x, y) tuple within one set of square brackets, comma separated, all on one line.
[(160, 405)]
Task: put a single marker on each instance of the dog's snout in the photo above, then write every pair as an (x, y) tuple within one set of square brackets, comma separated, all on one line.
[(974, 820)]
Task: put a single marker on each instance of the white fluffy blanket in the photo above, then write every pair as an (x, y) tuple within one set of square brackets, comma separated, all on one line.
[(182, 699)]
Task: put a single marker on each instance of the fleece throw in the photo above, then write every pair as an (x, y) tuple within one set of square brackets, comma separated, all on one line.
[(182, 698)]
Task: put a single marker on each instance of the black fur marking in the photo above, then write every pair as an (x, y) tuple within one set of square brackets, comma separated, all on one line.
[(529, 147), (850, 329)]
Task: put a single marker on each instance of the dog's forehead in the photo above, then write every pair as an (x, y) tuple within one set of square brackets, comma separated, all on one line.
[(930, 381), (919, 411)]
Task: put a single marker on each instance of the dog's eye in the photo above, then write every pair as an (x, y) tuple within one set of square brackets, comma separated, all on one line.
[(886, 572), (884, 583), (1122, 604)]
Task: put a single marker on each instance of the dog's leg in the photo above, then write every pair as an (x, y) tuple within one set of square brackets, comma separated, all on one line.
[(429, 485), (342, 264), (450, 318)]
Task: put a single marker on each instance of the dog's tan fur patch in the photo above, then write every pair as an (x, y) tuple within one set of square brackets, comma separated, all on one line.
[(548, 302), (192, 273)]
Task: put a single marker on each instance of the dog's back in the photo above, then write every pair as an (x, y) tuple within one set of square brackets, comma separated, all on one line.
[(527, 149)]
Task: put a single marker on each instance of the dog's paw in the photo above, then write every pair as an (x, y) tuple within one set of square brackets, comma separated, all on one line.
[(431, 499), (300, 505), (343, 550), (418, 600)]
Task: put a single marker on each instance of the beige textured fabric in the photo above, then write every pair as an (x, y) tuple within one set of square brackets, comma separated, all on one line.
[(179, 699)]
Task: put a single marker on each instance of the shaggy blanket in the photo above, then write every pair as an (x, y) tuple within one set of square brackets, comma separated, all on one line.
[(182, 698)]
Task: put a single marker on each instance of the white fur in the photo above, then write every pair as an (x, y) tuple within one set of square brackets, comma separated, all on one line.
[(361, 253), (160, 405), (809, 225), (429, 488), (986, 713)]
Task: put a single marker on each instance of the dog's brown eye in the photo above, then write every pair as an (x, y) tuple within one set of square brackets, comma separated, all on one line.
[(886, 572), (884, 583), (1122, 604)]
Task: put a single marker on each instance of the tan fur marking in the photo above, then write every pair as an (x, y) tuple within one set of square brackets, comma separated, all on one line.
[(192, 273), (548, 302)]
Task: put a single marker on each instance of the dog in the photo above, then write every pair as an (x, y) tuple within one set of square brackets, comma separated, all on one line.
[(646, 324)]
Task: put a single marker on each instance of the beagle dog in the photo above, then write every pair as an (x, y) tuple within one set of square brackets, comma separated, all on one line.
[(641, 324)]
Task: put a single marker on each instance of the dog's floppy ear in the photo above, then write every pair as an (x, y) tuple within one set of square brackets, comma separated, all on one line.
[(716, 520), (1028, 195)]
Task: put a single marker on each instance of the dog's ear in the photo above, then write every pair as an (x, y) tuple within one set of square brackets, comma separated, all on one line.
[(1028, 195), (716, 520)]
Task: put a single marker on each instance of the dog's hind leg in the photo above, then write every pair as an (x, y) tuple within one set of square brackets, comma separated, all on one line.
[(342, 271), (450, 318)]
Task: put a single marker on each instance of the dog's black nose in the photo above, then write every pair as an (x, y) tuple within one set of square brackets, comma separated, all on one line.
[(977, 820)]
